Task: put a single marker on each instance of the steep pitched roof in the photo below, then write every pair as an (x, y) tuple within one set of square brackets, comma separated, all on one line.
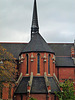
[(53, 84), (14, 48), (65, 61), (38, 85), (37, 44), (63, 54), (35, 26), (62, 51), (22, 88)]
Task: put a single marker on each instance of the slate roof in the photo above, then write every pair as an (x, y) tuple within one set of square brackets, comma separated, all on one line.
[(22, 87), (37, 44), (38, 85), (64, 61), (62, 51), (35, 17), (53, 84), (14, 48), (63, 54)]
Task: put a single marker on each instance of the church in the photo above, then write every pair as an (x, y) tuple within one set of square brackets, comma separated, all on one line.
[(41, 65)]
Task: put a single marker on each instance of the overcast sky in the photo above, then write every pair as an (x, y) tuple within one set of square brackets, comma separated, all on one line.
[(56, 20)]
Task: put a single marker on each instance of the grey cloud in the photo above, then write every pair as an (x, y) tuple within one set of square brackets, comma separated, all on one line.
[(55, 17)]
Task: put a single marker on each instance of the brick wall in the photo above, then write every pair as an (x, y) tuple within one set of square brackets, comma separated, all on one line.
[(66, 73), (32, 64), (5, 91), (36, 96)]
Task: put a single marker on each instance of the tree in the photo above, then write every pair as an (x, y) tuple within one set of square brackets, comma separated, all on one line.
[(68, 92), (32, 99), (8, 67)]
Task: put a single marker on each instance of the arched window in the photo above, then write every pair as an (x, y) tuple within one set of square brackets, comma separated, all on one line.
[(27, 63), (38, 63), (49, 64)]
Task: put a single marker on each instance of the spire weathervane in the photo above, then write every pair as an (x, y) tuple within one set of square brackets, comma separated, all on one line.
[(34, 26)]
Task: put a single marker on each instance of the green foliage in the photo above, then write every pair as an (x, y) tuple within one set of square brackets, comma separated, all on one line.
[(67, 92), (32, 99)]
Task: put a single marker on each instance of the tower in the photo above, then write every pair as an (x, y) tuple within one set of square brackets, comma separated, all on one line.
[(36, 67)]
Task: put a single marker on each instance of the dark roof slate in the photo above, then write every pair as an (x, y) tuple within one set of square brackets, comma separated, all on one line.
[(22, 88), (37, 44), (53, 84), (61, 49), (14, 48), (38, 85), (35, 16), (64, 61)]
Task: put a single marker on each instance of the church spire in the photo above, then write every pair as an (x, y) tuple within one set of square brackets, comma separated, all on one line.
[(35, 27)]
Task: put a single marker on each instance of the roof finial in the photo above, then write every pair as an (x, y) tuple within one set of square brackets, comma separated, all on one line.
[(35, 27)]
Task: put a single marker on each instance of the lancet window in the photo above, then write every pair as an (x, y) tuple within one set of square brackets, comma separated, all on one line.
[(27, 58), (38, 63), (49, 64)]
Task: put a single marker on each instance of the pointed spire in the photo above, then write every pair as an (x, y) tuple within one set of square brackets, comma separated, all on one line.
[(35, 27)]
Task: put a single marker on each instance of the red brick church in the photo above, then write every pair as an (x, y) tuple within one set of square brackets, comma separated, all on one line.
[(41, 65)]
